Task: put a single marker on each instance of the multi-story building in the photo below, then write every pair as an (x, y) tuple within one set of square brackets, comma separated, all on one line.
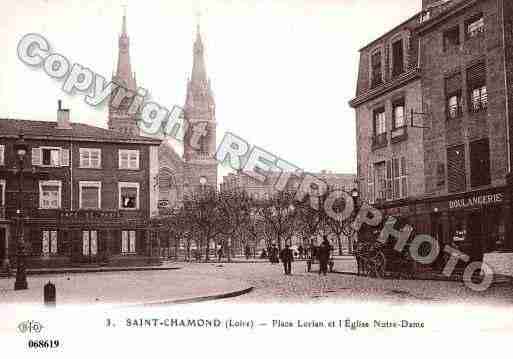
[(456, 112), (87, 196), (263, 190)]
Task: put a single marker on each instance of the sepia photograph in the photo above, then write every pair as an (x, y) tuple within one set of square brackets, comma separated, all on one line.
[(247, 176)]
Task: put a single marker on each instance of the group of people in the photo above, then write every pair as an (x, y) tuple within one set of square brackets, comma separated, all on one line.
[(321, 253)]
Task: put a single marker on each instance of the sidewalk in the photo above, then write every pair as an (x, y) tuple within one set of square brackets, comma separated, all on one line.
[(124, 288)]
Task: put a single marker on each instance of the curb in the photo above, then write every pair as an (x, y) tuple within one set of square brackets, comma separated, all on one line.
[(195, 299), (105, 270)]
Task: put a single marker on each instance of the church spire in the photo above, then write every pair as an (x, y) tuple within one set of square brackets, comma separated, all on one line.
[(199, 72), (124, 73)]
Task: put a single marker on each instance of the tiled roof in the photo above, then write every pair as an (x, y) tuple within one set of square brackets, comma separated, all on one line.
[(78, 131)]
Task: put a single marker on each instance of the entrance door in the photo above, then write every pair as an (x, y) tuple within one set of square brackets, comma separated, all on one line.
[(475, 236), (89, 244)]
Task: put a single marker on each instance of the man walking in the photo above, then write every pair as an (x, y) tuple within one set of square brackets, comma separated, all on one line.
[(287, 257), (323, 253)]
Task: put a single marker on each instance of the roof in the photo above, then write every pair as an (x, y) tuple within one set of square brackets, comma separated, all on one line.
[(78, 132)]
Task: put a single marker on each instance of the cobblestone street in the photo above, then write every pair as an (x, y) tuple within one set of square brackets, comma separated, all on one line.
[(271, 286)]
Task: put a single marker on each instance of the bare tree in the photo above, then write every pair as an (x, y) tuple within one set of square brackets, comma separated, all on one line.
[(279, 216)]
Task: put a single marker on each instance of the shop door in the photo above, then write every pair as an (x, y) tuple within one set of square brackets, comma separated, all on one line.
[(475, 236)]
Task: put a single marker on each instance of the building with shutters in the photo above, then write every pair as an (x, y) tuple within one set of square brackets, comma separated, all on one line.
[(88, 193), (448, 167)]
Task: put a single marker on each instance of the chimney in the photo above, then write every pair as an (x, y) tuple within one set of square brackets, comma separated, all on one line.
[(63, 122)]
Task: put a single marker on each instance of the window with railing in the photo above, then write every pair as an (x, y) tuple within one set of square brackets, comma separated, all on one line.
[(475, 26), (398, 120), (453, 85), (476, 81), (380, 128)]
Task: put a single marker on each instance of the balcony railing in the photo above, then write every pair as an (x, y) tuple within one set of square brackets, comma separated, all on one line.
[(379, 141), (399, 134)]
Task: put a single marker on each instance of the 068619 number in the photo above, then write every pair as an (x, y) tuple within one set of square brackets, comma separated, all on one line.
[(43, 344)]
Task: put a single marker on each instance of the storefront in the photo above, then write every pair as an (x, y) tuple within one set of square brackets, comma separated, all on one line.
[(473, 222)]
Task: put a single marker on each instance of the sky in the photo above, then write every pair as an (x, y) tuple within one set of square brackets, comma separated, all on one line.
[(282, 71)]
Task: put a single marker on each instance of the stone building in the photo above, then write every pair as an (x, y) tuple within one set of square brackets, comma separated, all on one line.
[(87, 195), (454, 101), (263, 190), (197, 167)]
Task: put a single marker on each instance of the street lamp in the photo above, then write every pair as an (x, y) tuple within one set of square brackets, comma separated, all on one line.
[(21, 275)]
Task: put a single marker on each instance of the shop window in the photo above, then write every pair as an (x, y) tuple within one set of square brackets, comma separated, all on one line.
[(89, 243), (128, 239), (128, 195), (451, 38), (397, 58), (49, 243), (476, 82), (458, 228), (456, 175), (480, 163), (376, 69), (475, 26)]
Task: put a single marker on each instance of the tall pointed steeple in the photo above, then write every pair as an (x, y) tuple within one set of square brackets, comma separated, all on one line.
[(200, 165), (119, 117), (124, 69)]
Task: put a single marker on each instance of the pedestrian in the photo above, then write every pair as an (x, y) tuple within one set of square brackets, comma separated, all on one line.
[(287, 257), (263, 254), (273, 254), (219, 254), (247, 251), (323, 254), (300, 250)]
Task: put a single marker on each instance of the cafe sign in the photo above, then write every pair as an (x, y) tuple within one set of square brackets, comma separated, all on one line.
[(476, 201)]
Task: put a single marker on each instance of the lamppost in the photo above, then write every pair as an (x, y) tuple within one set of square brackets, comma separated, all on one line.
[(21, 275), (355, 195)]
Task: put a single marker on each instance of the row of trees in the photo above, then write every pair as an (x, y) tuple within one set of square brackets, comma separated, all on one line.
[(209, 219)]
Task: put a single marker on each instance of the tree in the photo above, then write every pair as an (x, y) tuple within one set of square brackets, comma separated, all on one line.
[(279, 215), (205, 222)]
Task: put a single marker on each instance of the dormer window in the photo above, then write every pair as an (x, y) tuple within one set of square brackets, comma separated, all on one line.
[(376, 70), (397, 58)]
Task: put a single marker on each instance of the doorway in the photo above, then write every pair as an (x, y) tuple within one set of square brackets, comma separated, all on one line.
[(475, 236)]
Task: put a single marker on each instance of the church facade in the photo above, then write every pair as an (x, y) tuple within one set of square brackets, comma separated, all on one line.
[(197, 167)]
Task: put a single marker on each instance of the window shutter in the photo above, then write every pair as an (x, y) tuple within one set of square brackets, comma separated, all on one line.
[(476, 75), (397, 180), (456, 176), (36, 156), (64, 157), (389, 180)]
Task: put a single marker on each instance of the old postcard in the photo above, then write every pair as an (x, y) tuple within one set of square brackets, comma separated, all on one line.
[(282, 178)]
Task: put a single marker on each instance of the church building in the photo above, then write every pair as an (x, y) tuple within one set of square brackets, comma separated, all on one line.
[(197, 168)]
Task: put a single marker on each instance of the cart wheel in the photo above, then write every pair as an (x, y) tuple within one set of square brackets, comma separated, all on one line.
[(380, 265)]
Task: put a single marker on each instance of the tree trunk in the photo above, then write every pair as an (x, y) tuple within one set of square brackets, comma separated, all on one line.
[(339, 245)]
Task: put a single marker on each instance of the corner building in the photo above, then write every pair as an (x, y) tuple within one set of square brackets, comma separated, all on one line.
[(457, 115)]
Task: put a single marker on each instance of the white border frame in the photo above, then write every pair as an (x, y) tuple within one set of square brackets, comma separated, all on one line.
[(96, 184)]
